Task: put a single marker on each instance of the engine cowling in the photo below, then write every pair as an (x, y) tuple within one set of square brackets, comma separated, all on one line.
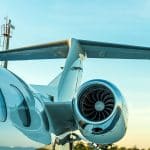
[(20, 104), (100, 112)]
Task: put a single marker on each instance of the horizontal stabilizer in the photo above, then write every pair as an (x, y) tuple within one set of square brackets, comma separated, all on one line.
[(118, 51), (44, 51), (91, 48)]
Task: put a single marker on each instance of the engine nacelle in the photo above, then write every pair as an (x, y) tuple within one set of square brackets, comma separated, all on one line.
[(23, 107), (100, 111)]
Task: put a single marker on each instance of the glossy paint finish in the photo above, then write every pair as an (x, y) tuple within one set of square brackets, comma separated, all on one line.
[(108, 130), (72, 73), (35, 110), (23, 110), (3, 108)]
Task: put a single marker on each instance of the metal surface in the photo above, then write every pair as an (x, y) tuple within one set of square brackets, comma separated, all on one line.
[(60, 116), (24, 107), (96, 102), (3, 108), (72, 73), (39, 111), (92, 49), (110, 128)]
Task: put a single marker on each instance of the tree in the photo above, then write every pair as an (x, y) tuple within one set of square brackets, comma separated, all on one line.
[(80, 146), (42, 149)]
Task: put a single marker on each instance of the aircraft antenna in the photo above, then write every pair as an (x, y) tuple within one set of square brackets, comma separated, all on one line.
[(6, 33)]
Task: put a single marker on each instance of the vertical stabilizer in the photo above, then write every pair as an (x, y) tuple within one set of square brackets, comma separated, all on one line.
[(72, 73)]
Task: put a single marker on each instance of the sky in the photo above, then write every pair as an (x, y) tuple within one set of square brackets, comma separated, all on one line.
[(126, 22)]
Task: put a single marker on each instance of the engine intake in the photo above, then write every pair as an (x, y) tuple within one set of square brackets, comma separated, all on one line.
[(96, 102)]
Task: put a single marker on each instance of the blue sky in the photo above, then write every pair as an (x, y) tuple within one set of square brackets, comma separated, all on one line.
[(126, 22)]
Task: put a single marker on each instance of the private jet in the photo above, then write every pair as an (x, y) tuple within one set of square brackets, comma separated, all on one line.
[(95, 111)]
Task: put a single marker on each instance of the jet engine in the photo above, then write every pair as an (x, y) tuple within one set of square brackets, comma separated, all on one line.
[(100, 112)]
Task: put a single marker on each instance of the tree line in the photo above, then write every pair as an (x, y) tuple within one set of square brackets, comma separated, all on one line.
[(87, 146)]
